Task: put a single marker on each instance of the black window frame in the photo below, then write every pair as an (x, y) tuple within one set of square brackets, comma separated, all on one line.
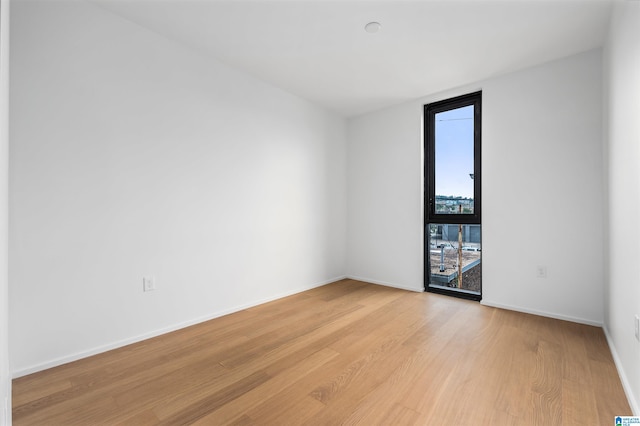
[(430, 110), (430, 216)]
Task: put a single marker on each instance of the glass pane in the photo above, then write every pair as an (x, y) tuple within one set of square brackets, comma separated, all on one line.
[(454, 170), (455, 249)]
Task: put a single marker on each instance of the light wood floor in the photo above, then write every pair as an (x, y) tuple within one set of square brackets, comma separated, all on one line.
[(346, 353)]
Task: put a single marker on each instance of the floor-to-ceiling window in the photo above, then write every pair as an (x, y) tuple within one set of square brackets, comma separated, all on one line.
[(452, 226)]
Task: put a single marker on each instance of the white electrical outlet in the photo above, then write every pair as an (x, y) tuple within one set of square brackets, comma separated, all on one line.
[(637, 326), (148, 284), (541, 271)]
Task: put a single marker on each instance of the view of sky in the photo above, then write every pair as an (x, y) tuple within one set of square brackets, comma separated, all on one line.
[(454, 152)]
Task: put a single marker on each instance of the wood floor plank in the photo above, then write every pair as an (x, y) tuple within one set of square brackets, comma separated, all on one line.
[(144, 418), (514, 368), (296, 413), (345, 353), (579, 406), (379, 403), (606, 382), (35, 390), (575, 367), (397, 415), (547, 385), (201, 408), (240, 405)]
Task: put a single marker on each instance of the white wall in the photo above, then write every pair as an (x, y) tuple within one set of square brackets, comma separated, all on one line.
[(542, 190), (5, 374), (384, 204), (622, 86), (132, 156)]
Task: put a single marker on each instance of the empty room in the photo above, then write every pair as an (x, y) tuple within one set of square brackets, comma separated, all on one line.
[(313, 212)]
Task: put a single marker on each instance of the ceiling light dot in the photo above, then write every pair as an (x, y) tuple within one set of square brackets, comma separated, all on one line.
[(372, 27)]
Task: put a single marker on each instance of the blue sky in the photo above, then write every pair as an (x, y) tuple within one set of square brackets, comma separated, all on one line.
[(454, 152)]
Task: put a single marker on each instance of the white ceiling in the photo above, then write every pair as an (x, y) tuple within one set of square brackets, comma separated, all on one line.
[(319, 50)]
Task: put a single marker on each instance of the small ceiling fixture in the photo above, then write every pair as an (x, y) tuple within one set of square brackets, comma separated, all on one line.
[(372, 27)]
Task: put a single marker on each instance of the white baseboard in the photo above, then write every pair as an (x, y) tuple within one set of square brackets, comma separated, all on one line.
[(541, 313), (633, 402), (386, 284), (135, 339)]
